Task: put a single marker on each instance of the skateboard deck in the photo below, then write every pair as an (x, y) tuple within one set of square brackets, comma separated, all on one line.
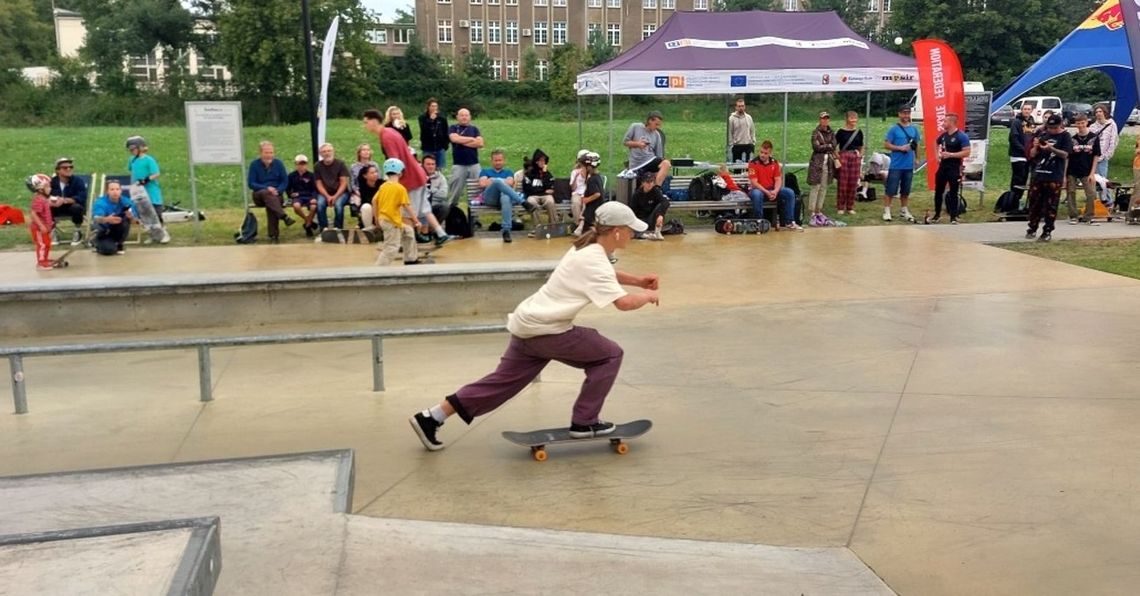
[(742, 226), (537, 440), (349, 236), (1099, 211), (61, 261), (554, 230), (148, 217)]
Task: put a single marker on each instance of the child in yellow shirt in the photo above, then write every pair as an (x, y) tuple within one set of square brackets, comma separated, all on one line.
[(391, 204)]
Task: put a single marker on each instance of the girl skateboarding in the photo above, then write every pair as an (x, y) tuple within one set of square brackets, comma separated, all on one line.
[(542, 329)]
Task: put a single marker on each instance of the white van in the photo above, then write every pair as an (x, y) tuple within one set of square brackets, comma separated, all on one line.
[(1040, 104), (916, 99)]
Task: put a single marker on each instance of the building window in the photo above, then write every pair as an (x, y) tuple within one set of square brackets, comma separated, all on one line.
[(543, 68), (560, 2), (476, 32), (594, 3), (474, 2), (494, 32), (647, 30), (613, 3), (444, 1), (669, 4), (590, 29), (872, 5), (541, 2), (558, 35), (512, 2), (444, 30), (404, 36), (497, 69), (492, 2), (512, 70), (700, 4), (447, 64), (887, 5), (613, 34), (540, 33), (649, 3), (378, 37), (512, 33), (791, 5)]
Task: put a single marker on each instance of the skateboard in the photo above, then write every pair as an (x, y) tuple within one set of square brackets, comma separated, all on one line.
[(553, 230), (61, 261), (148, 217), (1099, 211), (537, 440), (742, 226), (349, 236)]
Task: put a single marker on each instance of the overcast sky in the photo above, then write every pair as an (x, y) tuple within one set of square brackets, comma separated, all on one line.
[(387, 8)]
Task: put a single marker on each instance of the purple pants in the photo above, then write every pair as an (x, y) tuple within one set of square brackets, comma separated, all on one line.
[(580, 347)]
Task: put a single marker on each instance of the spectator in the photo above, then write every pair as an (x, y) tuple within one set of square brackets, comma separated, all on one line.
[(824, 155), (368, 185), (497, 183), (741, 133), (112, 213), (1047, 154), (391, 205), (412, 176), (730, 184), (40, 223), (953, 147), (766, 179), (1044, 119), (1082, 163), (332, 187), (595, 191), (68, 198), (436, 189), (647, 148), (578, 190), (394, 118), (144, 181), (649, 205), (302, 190), (1020, 134), (433, 133), (1108, 135), (269, 182), (363, 158), (538, 187), (849, 139), (466, 140), (902, 141)]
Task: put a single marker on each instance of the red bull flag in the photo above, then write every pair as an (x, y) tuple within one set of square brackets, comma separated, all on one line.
[(940, 80)]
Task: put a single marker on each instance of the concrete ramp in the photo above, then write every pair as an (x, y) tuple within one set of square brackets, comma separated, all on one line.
[(287, 532)]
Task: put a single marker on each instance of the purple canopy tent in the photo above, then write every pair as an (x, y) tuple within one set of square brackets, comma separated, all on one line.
[(750, 52)]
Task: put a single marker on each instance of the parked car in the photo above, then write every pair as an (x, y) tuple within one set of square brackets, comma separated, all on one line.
[(1070, 110), (1040, 104), (1134, 117), (1002, 116)]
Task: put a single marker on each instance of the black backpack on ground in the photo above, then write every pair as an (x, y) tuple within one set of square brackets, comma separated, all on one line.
[(247, 233), (866, 194), (673, 227), (1005, 203), (456, 223)]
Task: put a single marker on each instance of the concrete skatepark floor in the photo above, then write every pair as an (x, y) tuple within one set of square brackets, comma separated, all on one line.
[(961, 417)]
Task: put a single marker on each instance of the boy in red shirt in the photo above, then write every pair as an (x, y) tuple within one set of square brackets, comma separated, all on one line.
[(41, 222)]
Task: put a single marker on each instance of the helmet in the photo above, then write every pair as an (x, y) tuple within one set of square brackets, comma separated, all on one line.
[(592, 159), (37, 182), (135, 142), (393, 166)]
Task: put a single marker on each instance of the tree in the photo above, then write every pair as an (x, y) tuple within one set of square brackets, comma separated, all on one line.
[(530, 65), (406, 17), (477, 65), (600, 49), (741, 5), (565, 64), (25, 38), (853, 12)]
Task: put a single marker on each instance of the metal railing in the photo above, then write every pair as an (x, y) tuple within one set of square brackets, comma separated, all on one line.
[(203, 345)]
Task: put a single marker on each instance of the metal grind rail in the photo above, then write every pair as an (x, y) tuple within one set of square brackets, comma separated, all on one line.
[(203, 345)]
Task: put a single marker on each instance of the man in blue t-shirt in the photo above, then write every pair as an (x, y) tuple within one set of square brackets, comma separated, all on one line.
[(953, 147), (465, 143), (112, 214), (498, 183), (902, 141)]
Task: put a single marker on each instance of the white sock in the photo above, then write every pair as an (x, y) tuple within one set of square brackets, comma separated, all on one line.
[(439, 231), (438, 414)]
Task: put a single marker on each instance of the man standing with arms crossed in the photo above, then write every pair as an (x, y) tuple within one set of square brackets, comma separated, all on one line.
[(466, 140), (741, 133)]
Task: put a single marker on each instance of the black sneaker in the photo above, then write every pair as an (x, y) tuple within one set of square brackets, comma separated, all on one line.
[(441, 240), (289, 221), (426, 427), (1045, 237), (1030, 235), (309, 231), (598, 429), (507, 236)]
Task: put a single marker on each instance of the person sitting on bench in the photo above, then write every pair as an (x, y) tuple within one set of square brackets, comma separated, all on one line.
[(766, 177), (68, 198), (646, 146), (497, 183), (538, 186), (113, 214)]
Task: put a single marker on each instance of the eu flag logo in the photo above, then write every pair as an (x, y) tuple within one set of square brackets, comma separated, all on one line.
[(732, 44), (738, 81)]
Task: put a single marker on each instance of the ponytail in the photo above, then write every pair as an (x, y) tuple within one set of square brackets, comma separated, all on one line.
[(590, 236)]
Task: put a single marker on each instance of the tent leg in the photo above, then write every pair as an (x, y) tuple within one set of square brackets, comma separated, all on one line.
[(579, 122), (728, 130), (784, 145), (610, 158)]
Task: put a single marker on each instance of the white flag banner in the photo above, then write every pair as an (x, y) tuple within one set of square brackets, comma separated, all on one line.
[(326, 68)]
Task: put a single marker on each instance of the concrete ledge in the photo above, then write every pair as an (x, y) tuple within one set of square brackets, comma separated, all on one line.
[(255, 298)]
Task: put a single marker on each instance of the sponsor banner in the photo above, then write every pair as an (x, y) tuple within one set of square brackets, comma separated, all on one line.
[(767, 40), (1130, 10), (326, 69), (1109, 15), (940, 78), (728, 81), (977, 127)]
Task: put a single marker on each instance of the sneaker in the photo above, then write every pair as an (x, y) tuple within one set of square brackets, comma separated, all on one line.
[(77, 238), (1092, 223), (165, 237), (1030, 235), (54, 237), (441, 240), (795, 227), (414, 262), (43, 267), (658, 236), (120, 252), (422, 238), (289, 221), (907, 216), (1073, 222), (598, 429), (887, 215), (641, 235), (1045, 237), (937, 219), (308, 231), (426, 427), (507, 236), (953, 221)]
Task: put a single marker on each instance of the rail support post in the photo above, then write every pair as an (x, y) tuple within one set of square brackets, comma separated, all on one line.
[(377, 363), (19, 390), (205, 383)]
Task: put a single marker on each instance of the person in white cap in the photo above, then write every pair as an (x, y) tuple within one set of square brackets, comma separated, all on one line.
[(542, 329), (578, 178), (302, 191)]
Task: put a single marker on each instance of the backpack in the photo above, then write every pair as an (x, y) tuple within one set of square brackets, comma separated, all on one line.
[(673, 227), (790, 181), (701, 188), (1004, 203), (865, 194), (247, 234), (10, 215), (456, 223)]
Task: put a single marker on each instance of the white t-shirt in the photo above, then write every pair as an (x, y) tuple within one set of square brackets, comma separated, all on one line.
[(582, 277), (577, 182)]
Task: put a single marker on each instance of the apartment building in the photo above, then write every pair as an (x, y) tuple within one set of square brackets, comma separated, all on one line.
[(505, 29), (391, 39)]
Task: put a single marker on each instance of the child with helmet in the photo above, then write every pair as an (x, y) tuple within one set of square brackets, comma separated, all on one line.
[(41, 222), (395, 217)]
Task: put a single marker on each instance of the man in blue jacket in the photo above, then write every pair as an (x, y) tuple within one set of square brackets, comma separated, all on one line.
[(68, 198), (268, 180)]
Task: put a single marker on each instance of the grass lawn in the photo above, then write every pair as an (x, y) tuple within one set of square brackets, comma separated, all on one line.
[(1121, 257), (220, 187)]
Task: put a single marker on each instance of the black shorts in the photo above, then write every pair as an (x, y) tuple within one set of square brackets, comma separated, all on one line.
[(652, 166)]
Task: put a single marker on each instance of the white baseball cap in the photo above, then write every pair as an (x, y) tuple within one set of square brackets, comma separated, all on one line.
[(614, 214), (301, 158)]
